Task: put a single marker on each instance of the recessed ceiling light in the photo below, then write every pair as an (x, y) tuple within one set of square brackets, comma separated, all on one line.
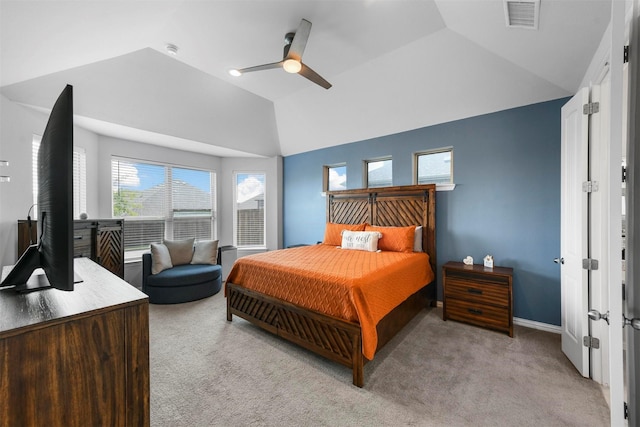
[(235, 73), (171, 49)]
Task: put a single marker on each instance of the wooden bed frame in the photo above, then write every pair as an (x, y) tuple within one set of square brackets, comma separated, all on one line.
[(328, 336)]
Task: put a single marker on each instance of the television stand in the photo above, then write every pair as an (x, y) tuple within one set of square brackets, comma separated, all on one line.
[(77, 358), (39, 281)]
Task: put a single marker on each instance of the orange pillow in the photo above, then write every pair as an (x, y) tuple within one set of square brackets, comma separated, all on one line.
[(395, 239), (333, 232)]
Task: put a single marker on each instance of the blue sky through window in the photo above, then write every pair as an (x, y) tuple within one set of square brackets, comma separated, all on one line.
[(249, 185)]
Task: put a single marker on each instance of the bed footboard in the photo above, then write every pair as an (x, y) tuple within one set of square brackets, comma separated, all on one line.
[(333, 338)]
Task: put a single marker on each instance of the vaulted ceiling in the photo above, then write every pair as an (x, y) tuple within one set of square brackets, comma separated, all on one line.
[(394, 65)]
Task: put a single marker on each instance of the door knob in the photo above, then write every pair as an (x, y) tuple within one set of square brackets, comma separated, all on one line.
[(596, 315), (634, 323), (558, 260)]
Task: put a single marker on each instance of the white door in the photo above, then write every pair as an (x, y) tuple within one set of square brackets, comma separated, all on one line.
[(574, 229)]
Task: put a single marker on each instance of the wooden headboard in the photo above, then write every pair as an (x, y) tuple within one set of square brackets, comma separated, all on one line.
[(389, 206)]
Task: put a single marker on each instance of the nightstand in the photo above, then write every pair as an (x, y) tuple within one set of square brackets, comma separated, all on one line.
[(478, 295)]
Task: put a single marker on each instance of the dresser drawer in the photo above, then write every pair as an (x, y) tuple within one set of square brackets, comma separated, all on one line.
[(479, 314), (471, 290)]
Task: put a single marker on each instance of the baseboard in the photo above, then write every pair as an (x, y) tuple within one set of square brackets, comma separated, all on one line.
[(537, 325), (528, 323)]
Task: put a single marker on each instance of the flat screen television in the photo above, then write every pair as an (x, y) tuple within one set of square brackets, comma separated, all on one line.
[(54, 250)]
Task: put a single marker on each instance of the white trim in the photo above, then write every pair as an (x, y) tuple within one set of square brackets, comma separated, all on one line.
[(537, 325), (445, 187)]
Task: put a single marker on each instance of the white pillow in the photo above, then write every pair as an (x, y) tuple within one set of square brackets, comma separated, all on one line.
[(360, 240), (417, 239), (160, 258), (181, 251), (206, 252)]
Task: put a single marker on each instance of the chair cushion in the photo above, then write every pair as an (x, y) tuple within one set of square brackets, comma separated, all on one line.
[(185, 275)]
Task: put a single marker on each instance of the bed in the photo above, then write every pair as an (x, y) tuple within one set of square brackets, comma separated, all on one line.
[(337, 333)]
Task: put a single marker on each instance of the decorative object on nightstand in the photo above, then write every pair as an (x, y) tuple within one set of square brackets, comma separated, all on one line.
[(488, 261), (478, 295), (468, 260)]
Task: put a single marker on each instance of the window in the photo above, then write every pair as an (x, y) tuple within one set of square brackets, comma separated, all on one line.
[(335, 178), (162, 202), (434, 167), (249, 212), (79, 176), (378, 173)]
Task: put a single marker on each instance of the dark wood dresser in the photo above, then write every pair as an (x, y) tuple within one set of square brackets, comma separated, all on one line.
[(478, 295), (77, 358), (101, 240)]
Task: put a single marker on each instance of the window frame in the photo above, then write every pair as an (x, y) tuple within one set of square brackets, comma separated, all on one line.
[(440, 186), (365, 173), (235, 210), (167, 216), (326, 173)]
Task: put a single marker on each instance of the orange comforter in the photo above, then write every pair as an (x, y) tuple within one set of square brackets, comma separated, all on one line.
[(353, 285)]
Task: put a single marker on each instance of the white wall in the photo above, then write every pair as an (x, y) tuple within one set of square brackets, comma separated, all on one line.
[(18, 124)]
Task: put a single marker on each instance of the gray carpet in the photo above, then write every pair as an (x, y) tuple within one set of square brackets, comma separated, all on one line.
[(206, 371)]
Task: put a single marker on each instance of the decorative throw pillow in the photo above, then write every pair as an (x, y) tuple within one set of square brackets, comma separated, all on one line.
[(205, 252), (181, 251), (160, 258), (333, 232), (360, 240), (417, 239), (395, 239)]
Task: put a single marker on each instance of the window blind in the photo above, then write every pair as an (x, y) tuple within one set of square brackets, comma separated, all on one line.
[(160, 201), (249, 218)]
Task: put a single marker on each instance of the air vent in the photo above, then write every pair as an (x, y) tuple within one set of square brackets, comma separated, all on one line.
[(522, 13)]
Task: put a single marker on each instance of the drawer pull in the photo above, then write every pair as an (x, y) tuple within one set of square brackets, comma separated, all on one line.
[(474, 311), (78, 237), (474, 291)]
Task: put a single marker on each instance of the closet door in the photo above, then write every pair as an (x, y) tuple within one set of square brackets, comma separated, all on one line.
[(574, 229)]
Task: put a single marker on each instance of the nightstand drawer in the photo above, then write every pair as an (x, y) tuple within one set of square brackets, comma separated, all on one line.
[(486, 293), (479, 295), (480, 314)]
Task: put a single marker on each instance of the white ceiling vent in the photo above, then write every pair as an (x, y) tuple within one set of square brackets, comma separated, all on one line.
[(522, 13)]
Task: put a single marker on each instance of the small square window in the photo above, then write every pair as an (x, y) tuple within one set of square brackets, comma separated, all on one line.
[(335, 178), (434, 167), (379, 173)]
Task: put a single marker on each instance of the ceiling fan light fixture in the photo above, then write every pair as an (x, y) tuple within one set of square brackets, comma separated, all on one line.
[(292, 66), (235, 73)]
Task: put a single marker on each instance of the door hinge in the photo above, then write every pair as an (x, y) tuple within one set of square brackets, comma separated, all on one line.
[(590, 264), (590, 186), (626, 410), (591, 342), (591, 108), (625, 55), (624, 174)]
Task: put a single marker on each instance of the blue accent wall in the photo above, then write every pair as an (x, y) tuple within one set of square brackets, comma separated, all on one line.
[(506, 168)]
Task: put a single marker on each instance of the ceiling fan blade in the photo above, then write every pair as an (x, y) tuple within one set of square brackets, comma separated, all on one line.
[(261, 67), (314, 77), (299, 41)]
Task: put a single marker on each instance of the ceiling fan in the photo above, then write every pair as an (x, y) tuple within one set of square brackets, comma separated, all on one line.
[(292, 57)]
